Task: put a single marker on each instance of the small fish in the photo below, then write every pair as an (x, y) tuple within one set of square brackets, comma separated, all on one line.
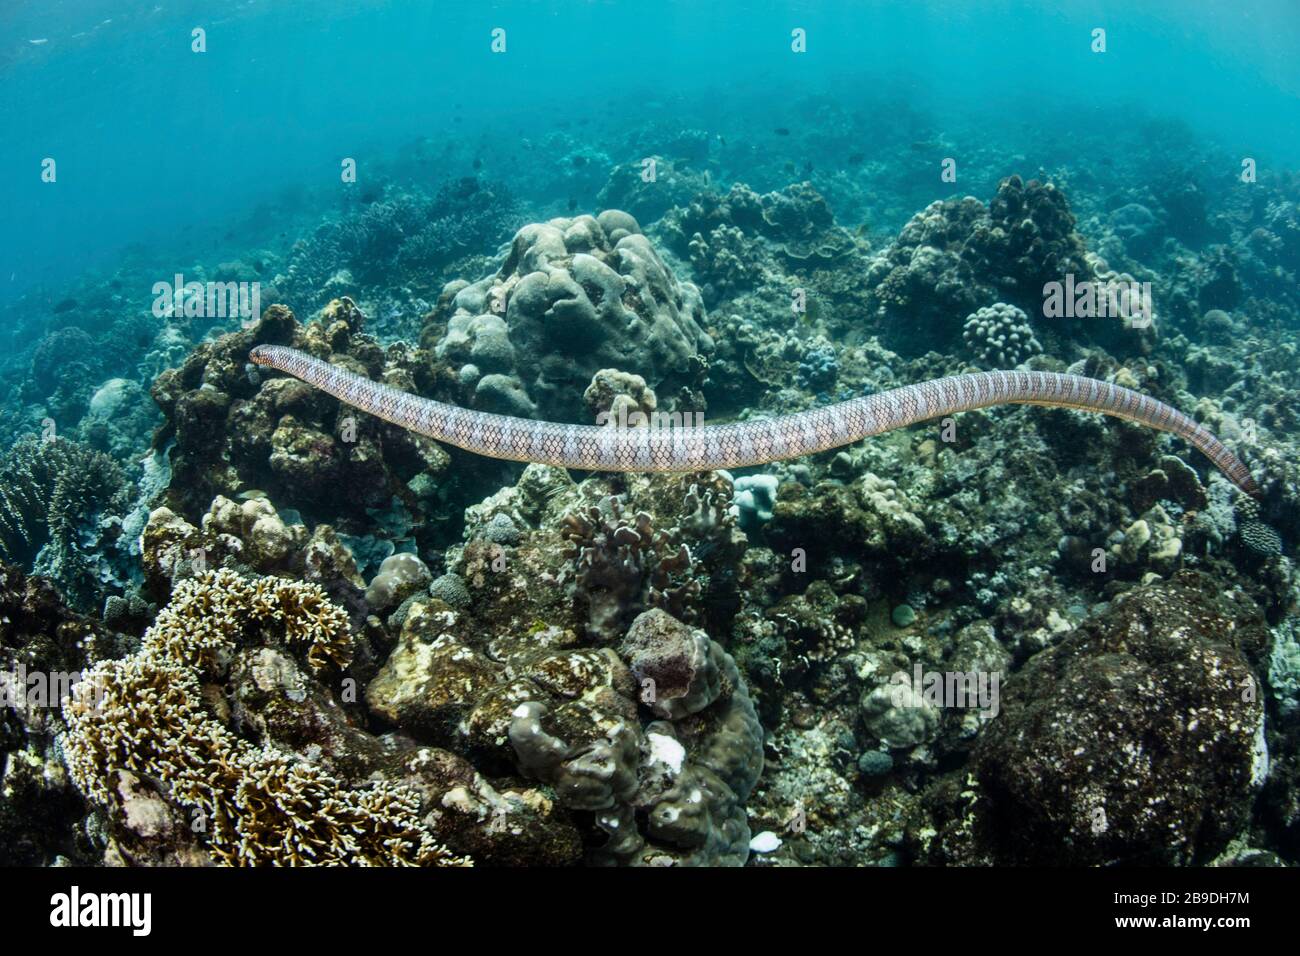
[(579, 161), (478, 164), (856, 159), (39, 42), (781, 131), (573, 204), (67, 305)]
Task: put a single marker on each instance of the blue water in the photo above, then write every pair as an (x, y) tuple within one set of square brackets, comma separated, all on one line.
[(164, 148)]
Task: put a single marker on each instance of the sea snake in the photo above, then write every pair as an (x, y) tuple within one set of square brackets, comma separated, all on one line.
[(755, 442)]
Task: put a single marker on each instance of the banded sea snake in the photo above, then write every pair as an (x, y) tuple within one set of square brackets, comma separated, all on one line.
[(754, 442)]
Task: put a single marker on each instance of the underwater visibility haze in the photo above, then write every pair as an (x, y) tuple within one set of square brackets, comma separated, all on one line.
[(575, 433)]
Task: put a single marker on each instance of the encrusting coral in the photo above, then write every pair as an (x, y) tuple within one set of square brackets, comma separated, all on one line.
[(147, 717)]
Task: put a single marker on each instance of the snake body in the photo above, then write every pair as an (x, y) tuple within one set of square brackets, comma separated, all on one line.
[(755, 442)]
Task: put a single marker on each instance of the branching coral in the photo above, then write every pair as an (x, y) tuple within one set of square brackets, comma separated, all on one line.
[(47, 490), (53, 495), (146, 716)]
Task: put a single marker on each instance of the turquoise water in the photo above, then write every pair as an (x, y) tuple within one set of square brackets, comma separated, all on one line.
[(159, 145)]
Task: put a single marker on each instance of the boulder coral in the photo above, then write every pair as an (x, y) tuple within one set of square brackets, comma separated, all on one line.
[(573, 296)]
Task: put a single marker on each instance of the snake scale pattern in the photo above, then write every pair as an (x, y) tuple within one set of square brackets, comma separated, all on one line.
[(755, 442)]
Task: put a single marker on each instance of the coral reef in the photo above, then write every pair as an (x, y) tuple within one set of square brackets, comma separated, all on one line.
[(404, 238), (573, 297), (232, 432), (374, 649), (958, 256), (40, 638), (144, 719), (587, 682), (60, 512)]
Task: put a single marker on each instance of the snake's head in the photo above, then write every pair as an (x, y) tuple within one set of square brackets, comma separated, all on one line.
[(261, 354)]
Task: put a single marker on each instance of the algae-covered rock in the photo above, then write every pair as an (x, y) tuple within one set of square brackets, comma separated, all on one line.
[(1138, 739)]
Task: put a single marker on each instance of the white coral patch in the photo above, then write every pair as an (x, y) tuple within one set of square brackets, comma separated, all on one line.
[(666, 750)]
